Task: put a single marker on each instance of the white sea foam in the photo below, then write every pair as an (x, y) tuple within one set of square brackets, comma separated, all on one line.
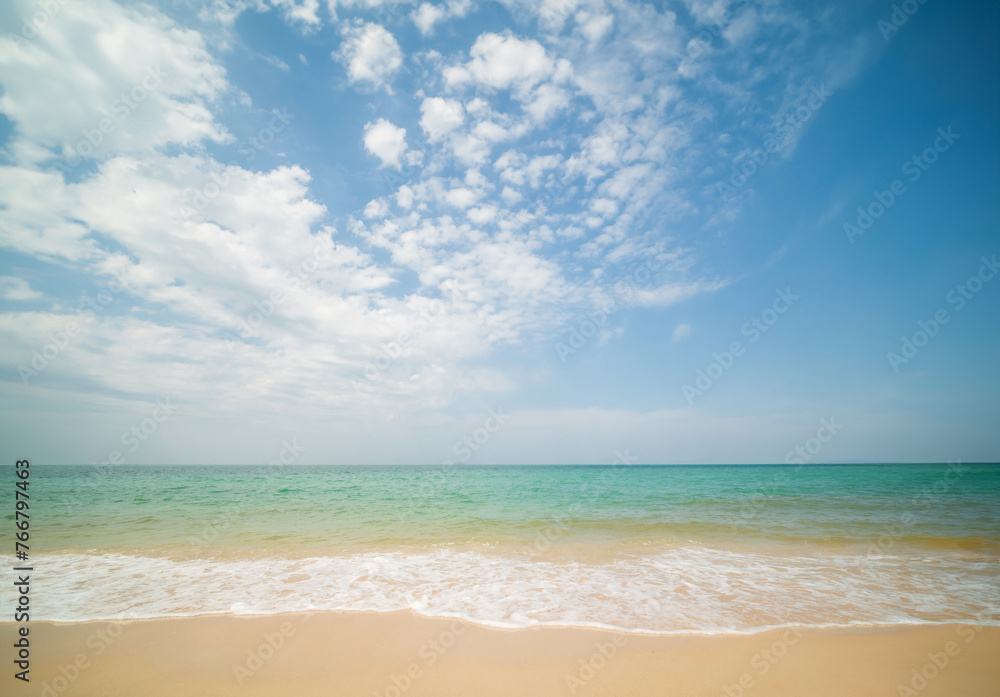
[(691, 589)]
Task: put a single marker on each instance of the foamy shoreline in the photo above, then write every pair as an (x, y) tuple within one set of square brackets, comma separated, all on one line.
[(690, 590)]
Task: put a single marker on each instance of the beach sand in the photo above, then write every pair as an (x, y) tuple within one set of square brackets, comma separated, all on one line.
[(401, 653)]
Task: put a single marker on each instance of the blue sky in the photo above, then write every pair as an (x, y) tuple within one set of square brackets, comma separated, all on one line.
[(357, 227)]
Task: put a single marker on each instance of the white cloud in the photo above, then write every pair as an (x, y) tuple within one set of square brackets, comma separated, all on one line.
[(742, 29), (491, 131), (482, 214), (461, 197), (475, 178), (672, 293), (303, 12), (404, 196), (594, 27), (12, 288), (277, 63), (681, 332), (604, 206), (511, 196), (503, 61), (376, 208), (439, 117), (332, 5), (546, 101), (554, 13), (709, 11), (36, 214), (207, 268), (370, 53), (470, 150), (428, 14), (124, 79), (386, 141), (538, 166)]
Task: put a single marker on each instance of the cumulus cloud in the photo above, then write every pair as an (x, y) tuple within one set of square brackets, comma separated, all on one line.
[(386, 141), (439, 117), (427, 15), (370, 53), (594, 27), (503, 61), (303, 12)]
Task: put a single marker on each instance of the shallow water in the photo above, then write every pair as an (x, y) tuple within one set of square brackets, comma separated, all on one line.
[(645, 548)]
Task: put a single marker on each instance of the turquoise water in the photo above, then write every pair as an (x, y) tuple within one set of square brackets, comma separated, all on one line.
[(648, 548)]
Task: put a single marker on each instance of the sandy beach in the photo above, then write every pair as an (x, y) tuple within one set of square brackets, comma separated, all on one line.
[(401, 653)]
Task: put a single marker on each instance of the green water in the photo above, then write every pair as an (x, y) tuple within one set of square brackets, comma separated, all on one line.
[(643, 548), (374, 507)]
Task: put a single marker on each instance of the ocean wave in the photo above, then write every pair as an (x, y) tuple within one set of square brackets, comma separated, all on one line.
[(682, 590)]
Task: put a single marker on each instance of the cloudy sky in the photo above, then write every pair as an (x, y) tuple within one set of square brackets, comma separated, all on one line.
[(379, 231)]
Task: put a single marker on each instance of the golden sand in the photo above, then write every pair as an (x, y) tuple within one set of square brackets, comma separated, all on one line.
[(401, 653)]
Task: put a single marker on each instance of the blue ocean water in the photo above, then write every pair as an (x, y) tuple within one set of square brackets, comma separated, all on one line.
[(643, 548)]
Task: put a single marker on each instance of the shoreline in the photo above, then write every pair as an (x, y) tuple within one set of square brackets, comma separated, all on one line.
[(485, 624), (391, 654)]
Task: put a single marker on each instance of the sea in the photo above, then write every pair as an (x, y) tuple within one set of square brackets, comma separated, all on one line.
[(638, 548)]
